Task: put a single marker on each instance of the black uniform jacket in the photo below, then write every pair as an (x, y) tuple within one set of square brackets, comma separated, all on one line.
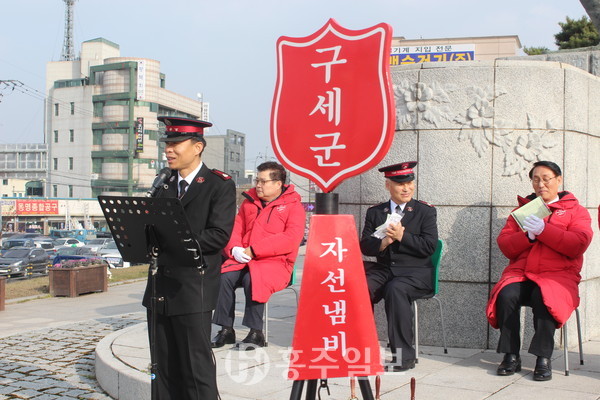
[(411, 257), (209, 204)]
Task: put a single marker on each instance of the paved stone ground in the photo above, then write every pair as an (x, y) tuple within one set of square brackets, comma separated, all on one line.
[(57, 363)]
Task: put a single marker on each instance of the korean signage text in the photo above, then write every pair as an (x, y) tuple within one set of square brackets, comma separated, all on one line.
[(432, 53)]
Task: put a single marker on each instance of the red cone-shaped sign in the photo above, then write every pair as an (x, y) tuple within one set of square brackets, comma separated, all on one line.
[(335, 334)]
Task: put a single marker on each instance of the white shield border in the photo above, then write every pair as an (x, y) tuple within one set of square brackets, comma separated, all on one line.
[(382, 82)]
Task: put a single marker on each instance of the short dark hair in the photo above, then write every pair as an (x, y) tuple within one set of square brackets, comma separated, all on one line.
[(548, 164), (277, 171), (199, 140)]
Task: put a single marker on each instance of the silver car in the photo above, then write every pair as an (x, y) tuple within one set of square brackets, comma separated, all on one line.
[(111, 253)]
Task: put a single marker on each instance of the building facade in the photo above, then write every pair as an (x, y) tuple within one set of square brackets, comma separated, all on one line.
[(101, 126), (23, 169), (228, 154)]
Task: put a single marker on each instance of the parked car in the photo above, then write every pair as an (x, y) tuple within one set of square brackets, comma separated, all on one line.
[(45, 243), (24, 261), (68, 242), (111, 253), (16, 242), (96, 244), (7, 235), (103, 235), (72, 253)]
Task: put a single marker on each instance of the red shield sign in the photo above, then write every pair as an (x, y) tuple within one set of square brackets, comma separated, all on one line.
[(333, 112)]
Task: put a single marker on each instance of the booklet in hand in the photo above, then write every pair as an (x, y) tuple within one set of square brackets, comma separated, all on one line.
[(535, 207)]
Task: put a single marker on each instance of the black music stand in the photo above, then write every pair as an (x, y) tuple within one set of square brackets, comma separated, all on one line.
[(144, 228)]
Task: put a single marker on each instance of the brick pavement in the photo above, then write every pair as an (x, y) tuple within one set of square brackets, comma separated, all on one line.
[(58, 362)]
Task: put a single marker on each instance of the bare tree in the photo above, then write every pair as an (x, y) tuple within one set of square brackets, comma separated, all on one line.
[(592, 7)]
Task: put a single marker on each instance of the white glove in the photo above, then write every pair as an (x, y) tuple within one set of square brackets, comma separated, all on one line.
[(239, 255), (534, 225)]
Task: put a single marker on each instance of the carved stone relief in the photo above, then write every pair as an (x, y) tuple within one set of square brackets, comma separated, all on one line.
[(478, 124)]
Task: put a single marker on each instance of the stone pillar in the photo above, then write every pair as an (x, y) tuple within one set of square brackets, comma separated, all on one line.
[(476, 128)]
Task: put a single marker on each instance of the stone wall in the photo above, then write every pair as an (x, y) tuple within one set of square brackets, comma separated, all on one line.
[(476, 128)]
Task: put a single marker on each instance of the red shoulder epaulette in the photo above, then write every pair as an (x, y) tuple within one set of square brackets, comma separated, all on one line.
[(426, 203), (221, 174)]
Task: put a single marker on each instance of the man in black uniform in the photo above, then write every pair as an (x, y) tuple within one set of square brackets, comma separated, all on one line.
[(404, 271), (186, 296)]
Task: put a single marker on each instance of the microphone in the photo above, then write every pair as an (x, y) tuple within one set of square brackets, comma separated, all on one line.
[(160, 180)]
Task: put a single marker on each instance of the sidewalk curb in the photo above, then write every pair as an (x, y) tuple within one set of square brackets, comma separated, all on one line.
[(118, 379)]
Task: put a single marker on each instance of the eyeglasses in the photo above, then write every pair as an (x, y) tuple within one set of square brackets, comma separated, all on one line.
[(261, 182), (536, 181)]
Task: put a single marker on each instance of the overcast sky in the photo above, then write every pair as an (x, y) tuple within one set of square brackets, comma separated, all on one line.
[(225, 49)]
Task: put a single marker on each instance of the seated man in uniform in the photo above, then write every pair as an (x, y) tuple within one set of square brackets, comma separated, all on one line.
[(404, 271), (545, 259), (260, 254)]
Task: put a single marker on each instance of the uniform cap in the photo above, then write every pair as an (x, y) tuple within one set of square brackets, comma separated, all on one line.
[(402, 172), (178, 129)]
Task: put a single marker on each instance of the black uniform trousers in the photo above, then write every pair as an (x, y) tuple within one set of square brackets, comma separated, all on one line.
[(508, 309), (398, 293), (186, 367), (225, 309)]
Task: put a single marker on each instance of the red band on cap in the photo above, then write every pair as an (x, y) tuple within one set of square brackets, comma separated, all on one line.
[(400, 172), (184, 129)]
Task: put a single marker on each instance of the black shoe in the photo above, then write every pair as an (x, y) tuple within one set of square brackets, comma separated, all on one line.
[(405, 366), (255, 339), (224, 336), (543, 369), (509, 365)]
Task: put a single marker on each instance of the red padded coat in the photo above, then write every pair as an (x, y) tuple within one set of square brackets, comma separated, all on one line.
[(274, 233), (553, 261)]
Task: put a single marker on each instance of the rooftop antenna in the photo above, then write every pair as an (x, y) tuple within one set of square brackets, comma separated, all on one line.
[(68, 53)]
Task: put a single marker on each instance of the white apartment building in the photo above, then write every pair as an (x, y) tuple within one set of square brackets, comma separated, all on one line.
[(100, 122)]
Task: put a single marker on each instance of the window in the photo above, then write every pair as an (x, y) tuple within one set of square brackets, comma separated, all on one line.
[(71, 163), (55, 136), (56, 109), (54, 190), (72, 108), (71, 135), (70, 190), (5, 182), (98, 109), (55, 162)]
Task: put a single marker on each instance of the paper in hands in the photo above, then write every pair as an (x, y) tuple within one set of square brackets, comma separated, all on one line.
[(535, 207), (392, 218)]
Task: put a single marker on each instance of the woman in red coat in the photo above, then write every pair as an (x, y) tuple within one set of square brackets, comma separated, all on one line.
[(261, 253), (543, 273)]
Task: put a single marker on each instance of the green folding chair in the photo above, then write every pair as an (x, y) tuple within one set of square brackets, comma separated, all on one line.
[(436, 259)]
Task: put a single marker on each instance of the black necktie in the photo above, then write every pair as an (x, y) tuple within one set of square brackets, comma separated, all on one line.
[(399, 211), (182, 187)]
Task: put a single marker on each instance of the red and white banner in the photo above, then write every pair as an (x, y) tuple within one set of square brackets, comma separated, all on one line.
[(36, 207), (335, 334), (333, 113)]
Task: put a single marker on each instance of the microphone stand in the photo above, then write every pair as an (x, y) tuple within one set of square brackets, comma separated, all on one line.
[(153, 252)]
